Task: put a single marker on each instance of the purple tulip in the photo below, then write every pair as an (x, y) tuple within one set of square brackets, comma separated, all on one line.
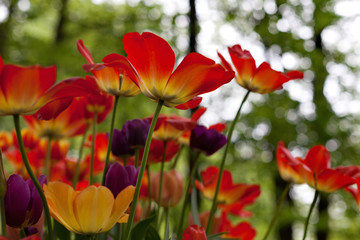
[(206, 140), (119, 177), (120, 145), (136, 131), (23, 206)]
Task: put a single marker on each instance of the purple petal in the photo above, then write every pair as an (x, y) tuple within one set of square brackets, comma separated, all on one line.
[(17, 200)]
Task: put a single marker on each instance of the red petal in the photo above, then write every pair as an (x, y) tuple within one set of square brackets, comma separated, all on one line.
[(152, 57), (317, 159), (225, 63), (84, 51), (351, 171), (53, 109), (218, 127), (331, 180), (198, 113), (192, 103)]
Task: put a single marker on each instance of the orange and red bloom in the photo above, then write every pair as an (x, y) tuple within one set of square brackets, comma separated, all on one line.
[(314, 169), (152, 61), (25, 90), (194, 232), (263, 79)]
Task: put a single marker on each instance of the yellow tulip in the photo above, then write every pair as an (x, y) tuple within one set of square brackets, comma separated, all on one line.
[(90, 211)]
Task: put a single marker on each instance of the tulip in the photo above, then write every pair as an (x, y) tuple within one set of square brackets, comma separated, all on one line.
[(262, 79), (151, 60), (119, 177), (23, 206), (90, 211), (206, 140), (172, 188), (194, 232), (5, 140)]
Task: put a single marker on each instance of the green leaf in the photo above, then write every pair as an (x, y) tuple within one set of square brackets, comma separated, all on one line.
[(152, 234), (61, 232), (140, 230), (217, 236)]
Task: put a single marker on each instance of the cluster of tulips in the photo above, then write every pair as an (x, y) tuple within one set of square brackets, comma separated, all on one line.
[(111, 192)]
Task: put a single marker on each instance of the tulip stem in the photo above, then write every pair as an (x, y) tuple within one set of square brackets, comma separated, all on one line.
[(48, 158), (160, 184), (91, 178), (137, 152), (149, 187), (3, 189), (3, 219), (192, 173), (167, 223), (77, 169), (142, 169), (310, 211), (222, 164), (110, 138), (177, 156), (277, 210), (32, 175)]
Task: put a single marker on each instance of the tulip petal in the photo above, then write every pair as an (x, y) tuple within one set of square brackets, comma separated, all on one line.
[(317, 159), (195, 75), (84, 51), (331, 180), (153, 60), (60, 197), (53, 109), (92, 209), (192, 103), (17, 200), (122, 202)]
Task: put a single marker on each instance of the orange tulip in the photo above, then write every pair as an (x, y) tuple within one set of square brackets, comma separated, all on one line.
[(152, 62), (90, 211), (172, 188), (25, 90), (113, 80), (314, 169), (262, 79)]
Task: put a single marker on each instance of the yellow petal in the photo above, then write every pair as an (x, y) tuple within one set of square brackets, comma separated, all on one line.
[(93, 207), (60, 198), (124, 218), (122, 202)]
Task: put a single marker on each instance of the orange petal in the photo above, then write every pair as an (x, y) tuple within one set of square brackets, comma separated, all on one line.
[(331, 180)]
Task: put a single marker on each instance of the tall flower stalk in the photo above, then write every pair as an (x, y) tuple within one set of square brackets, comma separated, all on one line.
[(142, 169), (3, 189), (110, 138), (222, 164), (161, 182), (32, 175), (316, 195), (48, 158), (77, 169), (93, 148)]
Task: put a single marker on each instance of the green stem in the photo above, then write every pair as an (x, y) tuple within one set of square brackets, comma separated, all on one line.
[(118, 228), (222, 164), (177, 157), (110, 138), (48, 158), (22, 233), (310, 211), (192, 173), (77, 169), (3, 189), (149, 187), (160, 184), (3, 219), (142, 169), (137, 152), (281, 201), (167, 224), (91, 180), (32, 175)]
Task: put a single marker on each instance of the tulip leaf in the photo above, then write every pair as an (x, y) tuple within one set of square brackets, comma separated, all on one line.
[(61, 232), (141, 229), (217, 236), (152, 234)]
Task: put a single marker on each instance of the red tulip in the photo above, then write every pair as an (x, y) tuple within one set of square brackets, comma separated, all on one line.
[(194, 232), (262, 79)]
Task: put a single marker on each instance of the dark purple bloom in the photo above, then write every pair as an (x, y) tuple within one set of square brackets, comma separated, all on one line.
[(136, 131), (23, 206), (119, 177), (206, 140), (120, 145)]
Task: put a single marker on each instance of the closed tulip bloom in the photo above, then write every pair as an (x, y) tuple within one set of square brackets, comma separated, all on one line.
[(136, 132), (194, 232), (119, 177), (23, 206), (90, 211), (120, 145), (263, 79), (172, 188), (206, 140)]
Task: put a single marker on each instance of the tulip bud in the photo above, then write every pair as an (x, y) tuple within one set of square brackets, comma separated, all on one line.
[(172, 188), (206, 140), (194, 232)]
